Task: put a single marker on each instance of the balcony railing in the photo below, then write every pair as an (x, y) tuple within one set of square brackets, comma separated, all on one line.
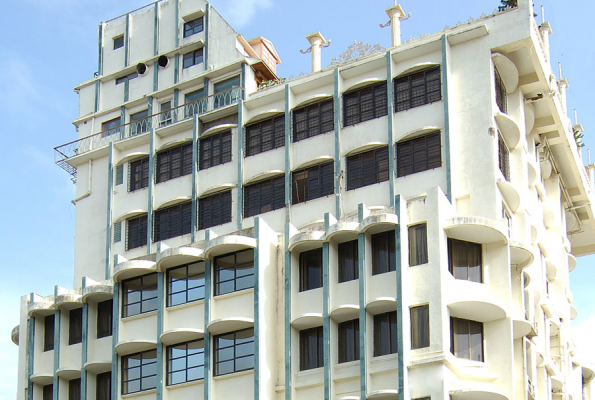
[(135, 128)]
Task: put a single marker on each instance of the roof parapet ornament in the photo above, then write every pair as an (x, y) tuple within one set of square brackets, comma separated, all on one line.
[(317, 42), (396, 15)]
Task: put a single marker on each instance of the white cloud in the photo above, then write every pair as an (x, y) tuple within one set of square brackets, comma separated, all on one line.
[(583, 339), (239, 13)]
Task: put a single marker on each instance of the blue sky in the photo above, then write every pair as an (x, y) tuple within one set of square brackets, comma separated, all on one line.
[(48, 47)]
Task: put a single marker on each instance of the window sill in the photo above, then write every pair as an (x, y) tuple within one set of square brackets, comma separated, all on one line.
[(185, 305), (139, 316), (233, 375), (184, 384), (142, 392), (233, 294)]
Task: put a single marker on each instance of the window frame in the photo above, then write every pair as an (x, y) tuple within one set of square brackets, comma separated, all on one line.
[(314, 118), (74, 389), (118, 42), (459, 353), (453, 257), (195, 102), (190, 27), (217, 282), (418, 256), (348, 273), (172, 221), (224, 86), (142, 365), (133, 242), (140, 122), (500, 92), (503, 157), (308, 271), (358, 170), (75, 326), (192, 58), (103, 386), (313, 182), (419, 338), (379, 106), (219, 205), (422, 153), (165, 113), (215, 150), (170, 362), (49, 332), (256, 197), (256, 131), (171, 293), (385, 337), (429, 96), (111, 127), (173, 162), (216, 354), (126, 303), (386, 241), (138, 174), (348, 348), (105, 322), (312, 336), (48, 392)]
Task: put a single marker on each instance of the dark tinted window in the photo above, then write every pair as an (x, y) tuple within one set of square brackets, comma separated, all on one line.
[(136, 232), (312, 183), (214, 210), (385, 334), (174, 162), (48, 333), (364, 104), (464, 260), (417, 89), (311, 348), (193, 27), (419, 154), (75, 326), (466, 340), (348, 261), (383, 252), (418, 245), (420, 327), (349, 341), (138, 174), (313, 120), (310, 270), (105, 310), (103, 389), (265, 135), (173, 221), (215, 150), (367, 168), (264, 196), (192, 58)]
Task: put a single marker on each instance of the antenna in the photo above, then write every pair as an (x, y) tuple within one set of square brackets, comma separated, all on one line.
[(575, 117), (559, 70), (542, 15)]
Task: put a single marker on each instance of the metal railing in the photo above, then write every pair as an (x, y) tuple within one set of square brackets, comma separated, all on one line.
[(135, 128)]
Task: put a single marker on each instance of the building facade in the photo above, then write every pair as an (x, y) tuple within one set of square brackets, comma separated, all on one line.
[(399, 226)]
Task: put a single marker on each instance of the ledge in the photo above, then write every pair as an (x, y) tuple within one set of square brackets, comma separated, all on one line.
[(14, 335), (134, 346), (344, 312), (342, 231), (68, 373), (520, 254), (510, 193), (40, 308), (42, 379), (384, 394), (307, 320), (133, 268), (98, 292), (509, 129), (378, 222), (381, 305), (306, 240), (476, 229), (231, 324), (522, 327), (98, 366), (229, 244), (571, 262), (68, 301), (181, 335), (471, 394), (472, 301), (507, 71), (173, 257)]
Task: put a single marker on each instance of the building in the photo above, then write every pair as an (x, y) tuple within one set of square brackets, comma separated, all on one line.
[(400, 226)]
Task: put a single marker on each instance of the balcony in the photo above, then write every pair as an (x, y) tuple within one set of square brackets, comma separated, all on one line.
[(135, 128)]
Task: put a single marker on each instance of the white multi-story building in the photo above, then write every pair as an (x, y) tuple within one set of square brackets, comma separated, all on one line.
[(399, 226)]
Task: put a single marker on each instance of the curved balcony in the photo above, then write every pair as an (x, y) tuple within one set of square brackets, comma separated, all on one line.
[(571, 262), (344, 312), (557, 382), (98, 366), (532, 172), (133, 268), (175, 256), (381, 305), (509, 129), (42, 379), (554, 326), (472, 301), (180, 335), (68, 301), (14, 335), (229, 244), (548, 214), (41, 308), (379, 222), (307, 320), (231, 324), (348, 397), (385, 394), (551, 270), (588, 373), (474, 394), (573, 312), (476, 229), (529, 117), (134, 346), (507, 70), (539, 359), (510, 193), (69, 373), (522, 327), (343, 231), (306, 240), (98, 292), (520, 254)]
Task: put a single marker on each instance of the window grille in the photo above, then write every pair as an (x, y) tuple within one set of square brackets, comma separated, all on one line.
[(367, 168), (265, 135), (117, 232), (215, 150), (174, 162), (419, 154), (313, 120), (214, 210), (172, 221), (136, 232), (501, 99), (264, 196), (119, 174), (503, 157), (417, 89), (365, 104), (118, 42), (312, 183), (138, 174)]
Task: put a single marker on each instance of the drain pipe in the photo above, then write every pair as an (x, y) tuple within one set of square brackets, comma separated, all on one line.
[(89, 181)]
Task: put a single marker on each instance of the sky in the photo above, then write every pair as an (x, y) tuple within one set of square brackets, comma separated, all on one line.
[(50, 46)]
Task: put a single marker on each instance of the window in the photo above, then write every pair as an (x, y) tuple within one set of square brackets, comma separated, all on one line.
[(173, 221), (348, 261), (418, 245), (118, 232), (501, 100), (174, 162), (466, 339), (196, 103), (349, 341), (234, 272), (417, 89), (367, 168), (126, 78), (110, 127), (419, 154), (311, 348), (139, 372), (385, 334), (265, 135), (234, 352), (139, 123), (119, 178), (383, 252), (185, 362), (192, 58), (464, 260), (310, 270), (264, 196), (225, 93), (136, 232), (364, 104), (48, 392), (118, 42), (138, 174), (165, 118), (74, 389), (420, 327), (185, 284), (503, 157), (75, 326), (193, 27), (215, 150), (312, 183), (313, 120), (105, 310), (139, 295), (103, 388), (48, 333), (214, 210)]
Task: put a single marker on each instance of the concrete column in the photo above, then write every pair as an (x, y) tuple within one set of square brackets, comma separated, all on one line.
[(546, 31), (316, 41), (562, 85), (395, 13)]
